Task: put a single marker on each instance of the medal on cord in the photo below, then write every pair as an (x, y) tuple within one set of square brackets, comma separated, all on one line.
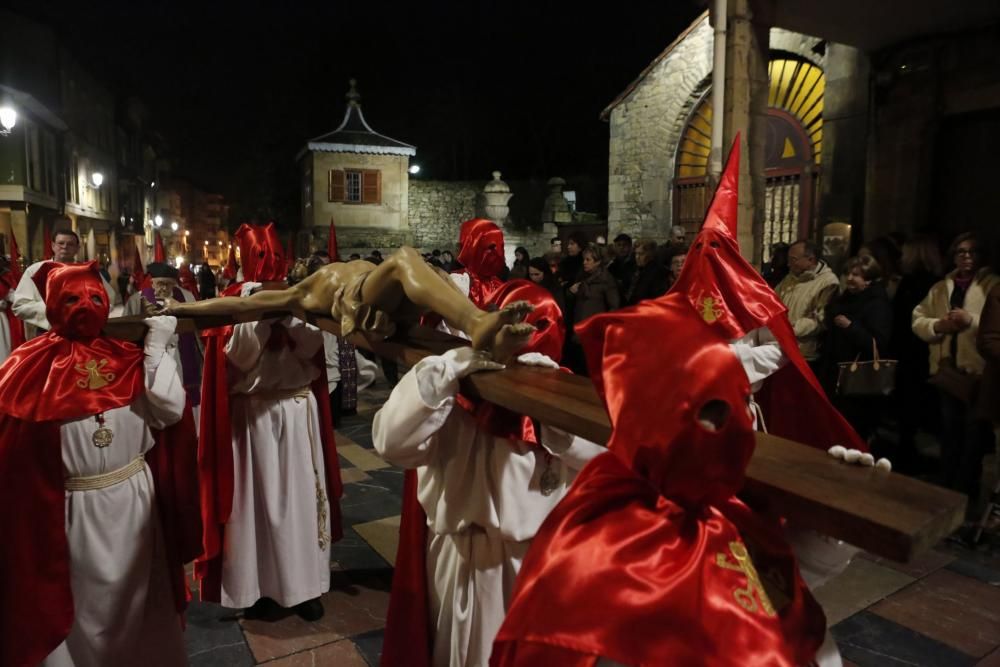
[(103, 436)]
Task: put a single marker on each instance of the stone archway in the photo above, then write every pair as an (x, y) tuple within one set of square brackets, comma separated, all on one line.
[(792, 157)]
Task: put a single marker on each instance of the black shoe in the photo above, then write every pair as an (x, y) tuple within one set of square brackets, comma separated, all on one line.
[(264, 609), (310, 610)]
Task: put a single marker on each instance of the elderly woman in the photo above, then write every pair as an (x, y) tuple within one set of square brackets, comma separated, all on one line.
[(859, 321), (948, 320)]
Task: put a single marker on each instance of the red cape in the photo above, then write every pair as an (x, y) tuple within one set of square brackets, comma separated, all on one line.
[(640, 562), (36, 599), (215, 457)]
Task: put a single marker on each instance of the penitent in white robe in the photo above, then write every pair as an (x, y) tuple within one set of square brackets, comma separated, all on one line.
[(122, 599), (272, 537), (483, 502)]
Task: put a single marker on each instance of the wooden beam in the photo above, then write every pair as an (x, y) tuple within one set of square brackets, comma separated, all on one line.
[(887, 514)]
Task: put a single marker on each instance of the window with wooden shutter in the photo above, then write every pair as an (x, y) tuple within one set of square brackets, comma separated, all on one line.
[(371, 190), (336, 185)]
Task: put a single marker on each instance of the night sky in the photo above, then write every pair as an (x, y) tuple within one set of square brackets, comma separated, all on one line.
[(475, 86)]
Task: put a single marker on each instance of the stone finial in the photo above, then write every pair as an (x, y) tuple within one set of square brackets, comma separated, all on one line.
[(353, 96), (496, 194), (556, 209), (496, 185)]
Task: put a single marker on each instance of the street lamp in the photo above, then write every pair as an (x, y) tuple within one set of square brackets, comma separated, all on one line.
[(97, 178), (8, 119), (187, 232), (158, 221), (415, 169), (174, 226)]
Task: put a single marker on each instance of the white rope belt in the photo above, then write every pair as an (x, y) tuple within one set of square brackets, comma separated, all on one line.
[(94, 482), (281, 394)]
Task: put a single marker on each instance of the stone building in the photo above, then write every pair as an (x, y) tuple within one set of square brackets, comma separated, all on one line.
[(846, 110), (359, 179)]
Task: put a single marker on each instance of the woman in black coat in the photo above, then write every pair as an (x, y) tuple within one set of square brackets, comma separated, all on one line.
[(540, 273), (858, 321), (596, 291)]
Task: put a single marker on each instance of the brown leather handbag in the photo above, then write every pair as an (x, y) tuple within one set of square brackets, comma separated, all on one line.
[(867, 378), (954, 381)]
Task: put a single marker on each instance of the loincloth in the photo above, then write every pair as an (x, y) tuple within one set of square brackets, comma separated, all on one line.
[(355, 315)]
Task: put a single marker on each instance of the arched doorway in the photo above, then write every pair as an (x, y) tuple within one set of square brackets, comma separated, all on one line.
[(792, 155)]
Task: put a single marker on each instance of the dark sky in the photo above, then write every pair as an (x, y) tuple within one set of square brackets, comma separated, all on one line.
[(476, 86)]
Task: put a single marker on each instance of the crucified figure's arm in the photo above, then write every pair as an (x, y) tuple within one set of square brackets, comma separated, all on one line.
[(402, 287)]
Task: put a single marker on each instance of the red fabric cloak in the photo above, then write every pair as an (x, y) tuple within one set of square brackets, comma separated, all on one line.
[(36, 599), (650, 559)]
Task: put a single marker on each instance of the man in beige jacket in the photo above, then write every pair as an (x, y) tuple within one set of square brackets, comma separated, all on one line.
[(808, 287)]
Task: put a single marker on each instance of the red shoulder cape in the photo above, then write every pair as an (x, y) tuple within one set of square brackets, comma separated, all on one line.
[(215, 457), (36, 600), (619, 571)]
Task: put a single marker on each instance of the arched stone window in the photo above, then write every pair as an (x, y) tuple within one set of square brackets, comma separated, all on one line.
[(792, 155)]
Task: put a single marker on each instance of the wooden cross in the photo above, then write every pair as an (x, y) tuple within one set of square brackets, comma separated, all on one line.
[(887, 514)]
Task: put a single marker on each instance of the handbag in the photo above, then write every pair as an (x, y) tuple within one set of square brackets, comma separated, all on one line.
[(867, 378), (954, 381)]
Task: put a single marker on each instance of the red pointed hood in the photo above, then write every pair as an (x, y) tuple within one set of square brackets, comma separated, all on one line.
[(481, 248), (229, 273), (721, 285), (262, 256), (734, 299), (654, 398), (159, 254), (550, 329)]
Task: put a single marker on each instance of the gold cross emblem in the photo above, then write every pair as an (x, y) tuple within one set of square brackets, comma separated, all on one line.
[(746, 597), (93, 377)]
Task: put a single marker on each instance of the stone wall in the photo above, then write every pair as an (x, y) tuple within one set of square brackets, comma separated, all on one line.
[(646, 127), (437, 208)]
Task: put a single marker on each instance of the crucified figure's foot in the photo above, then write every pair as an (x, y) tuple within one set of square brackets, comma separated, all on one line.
[(510, 339), (486, 326)]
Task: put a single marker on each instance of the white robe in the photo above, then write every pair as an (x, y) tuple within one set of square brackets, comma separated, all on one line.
[(122, 598), (272, 537), (482, 499), (29, 306)]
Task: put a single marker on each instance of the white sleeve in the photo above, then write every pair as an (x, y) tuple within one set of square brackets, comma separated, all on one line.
[(331, 350), (27, 303), (574, 451), (760, 354), (247, 343), (367, 371), (133, 306), (165, 393), (417, 408), (308, 338)]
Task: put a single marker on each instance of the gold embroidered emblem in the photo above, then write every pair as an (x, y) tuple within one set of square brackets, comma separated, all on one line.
[(746, 597), (710, 310), (93, 377)]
